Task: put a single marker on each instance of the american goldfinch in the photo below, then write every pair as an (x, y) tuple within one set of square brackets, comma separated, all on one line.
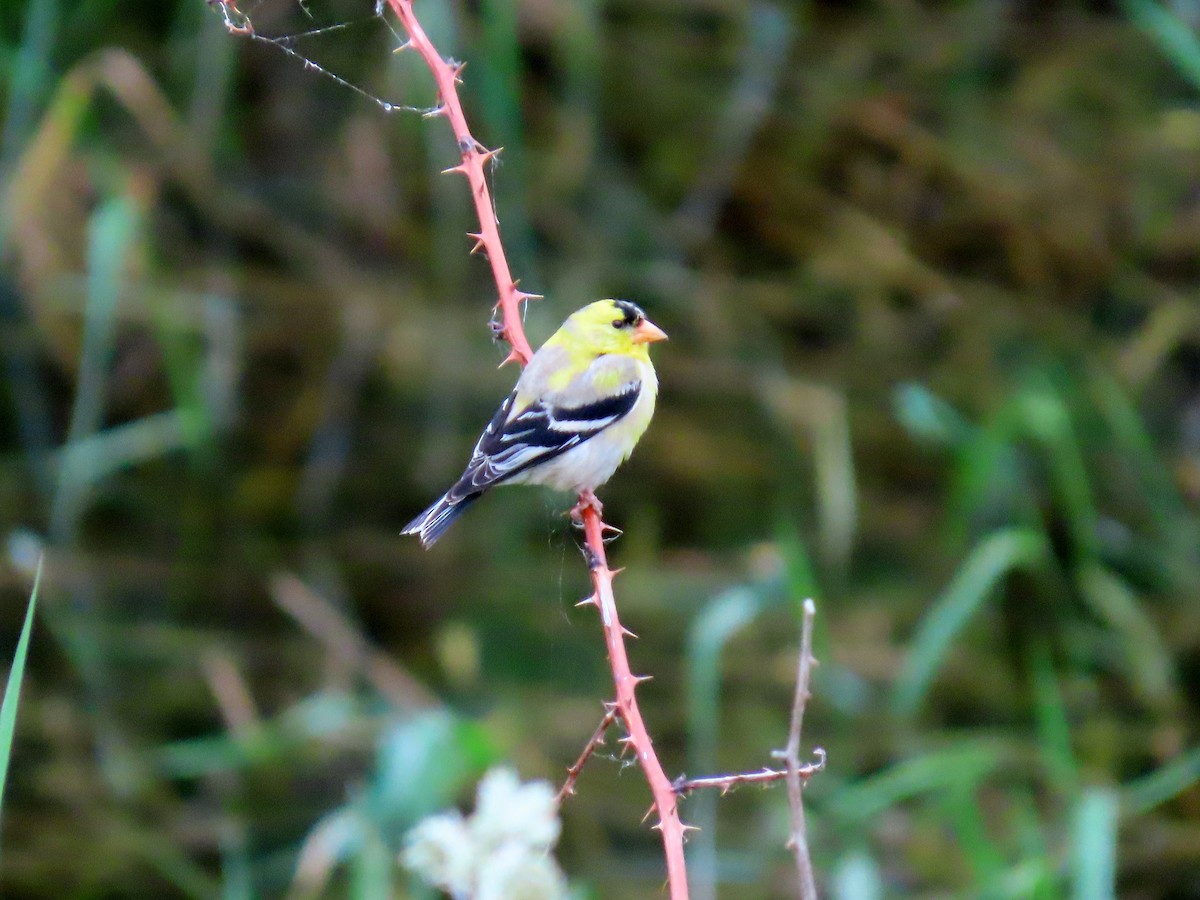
[(576, 413)]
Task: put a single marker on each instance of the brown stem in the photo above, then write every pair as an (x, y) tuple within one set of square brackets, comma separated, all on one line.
[(596, 740), (626, 683), (791, 756), (726, 783), (474, 157)]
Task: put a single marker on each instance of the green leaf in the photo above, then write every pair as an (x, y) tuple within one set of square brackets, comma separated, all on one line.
[(991, 559), (12, 690)]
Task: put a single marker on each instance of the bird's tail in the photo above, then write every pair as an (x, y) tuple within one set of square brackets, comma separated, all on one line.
[(432, 524)]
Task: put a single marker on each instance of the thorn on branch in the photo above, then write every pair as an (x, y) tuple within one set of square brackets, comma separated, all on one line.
[(486, 156), (434, 111), (480, 245), (407, 45), (589, 600)]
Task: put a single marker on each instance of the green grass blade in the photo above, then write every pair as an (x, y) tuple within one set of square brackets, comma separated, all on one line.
[(1141, 796), (1045, 412), (716, 625), (993, 558), (1094, 846), (12, 691), (1149, 660), (29, 76), (963, 814), (1054, 730), (962, 765), (112, 231), (371, 868), (1175, 39)]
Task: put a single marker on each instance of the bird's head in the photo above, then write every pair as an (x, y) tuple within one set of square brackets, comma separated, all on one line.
[(612, 326)]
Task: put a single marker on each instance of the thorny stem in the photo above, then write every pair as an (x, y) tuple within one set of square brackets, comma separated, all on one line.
[(726, 783), (474, 157), (791, 756), (596, 740), (625, 682)]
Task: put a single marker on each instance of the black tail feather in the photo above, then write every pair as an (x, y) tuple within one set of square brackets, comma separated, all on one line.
[(432, 524)]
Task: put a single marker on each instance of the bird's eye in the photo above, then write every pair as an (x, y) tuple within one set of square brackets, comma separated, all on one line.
[(619, 323)]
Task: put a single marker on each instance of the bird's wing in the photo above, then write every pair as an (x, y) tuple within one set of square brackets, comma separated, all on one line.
[(541, 431)]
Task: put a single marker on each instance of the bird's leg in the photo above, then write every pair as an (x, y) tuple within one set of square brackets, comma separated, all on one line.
[(587, 499)]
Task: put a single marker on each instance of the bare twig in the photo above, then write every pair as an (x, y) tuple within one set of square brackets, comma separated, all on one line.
[(344, 641), (596, 740), (791, 757), (765, 776), (231, 692), (637, 737), (474, 157)]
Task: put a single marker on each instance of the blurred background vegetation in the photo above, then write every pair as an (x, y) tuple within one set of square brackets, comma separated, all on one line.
[(930, 273)]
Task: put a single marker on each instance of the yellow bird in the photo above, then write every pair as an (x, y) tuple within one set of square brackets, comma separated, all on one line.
[(576, 413)]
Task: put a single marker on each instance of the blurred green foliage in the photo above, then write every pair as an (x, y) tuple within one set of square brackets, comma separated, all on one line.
[(929, 269)]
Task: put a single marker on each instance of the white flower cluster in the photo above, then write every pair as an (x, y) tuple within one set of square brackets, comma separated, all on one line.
[(502, 852)]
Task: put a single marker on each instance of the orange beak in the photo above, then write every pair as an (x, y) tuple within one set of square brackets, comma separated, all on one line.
[(647, 333)]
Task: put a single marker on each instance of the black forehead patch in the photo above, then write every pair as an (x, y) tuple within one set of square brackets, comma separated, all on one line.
[(632, 312)]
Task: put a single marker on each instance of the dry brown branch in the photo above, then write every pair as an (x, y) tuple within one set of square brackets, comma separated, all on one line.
[(596, 740), (231, 692), (791, 757), (345, 643), (726, 783)]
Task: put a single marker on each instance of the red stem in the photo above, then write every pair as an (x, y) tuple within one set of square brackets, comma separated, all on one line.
[(474, 157), (625, 682)]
